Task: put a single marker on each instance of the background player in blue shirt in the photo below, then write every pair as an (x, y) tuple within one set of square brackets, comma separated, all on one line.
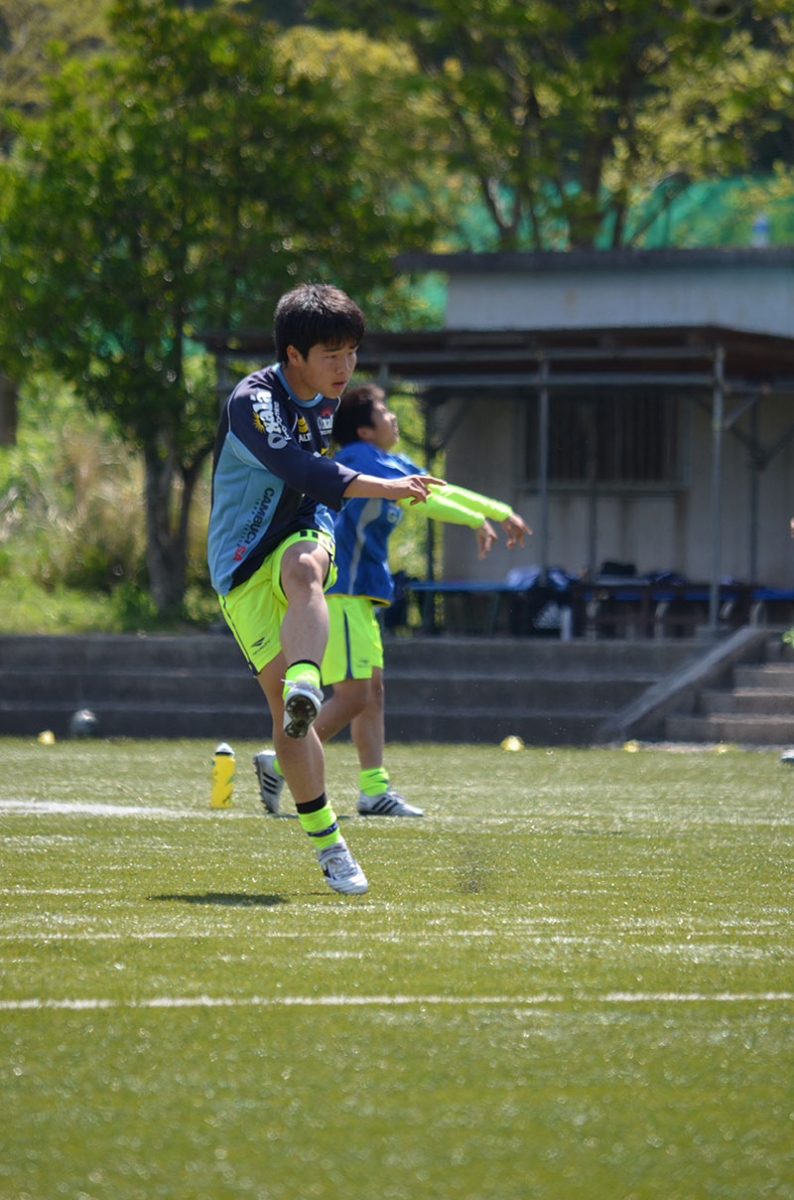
[(271, 536), (367, 432)]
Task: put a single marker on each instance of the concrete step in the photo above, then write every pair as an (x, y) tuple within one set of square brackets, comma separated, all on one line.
[(440, 688), (142, 721), (406, 689), (105, 652), (766, 676), (220, 688), (474, 724), (477, 725), (610, 657), (212, 650), (744, 730), (749, 702), (93, 687)]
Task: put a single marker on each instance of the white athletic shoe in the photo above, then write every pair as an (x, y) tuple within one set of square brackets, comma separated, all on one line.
[(271, 784), (387, 804), (341, 870), (302, 706)]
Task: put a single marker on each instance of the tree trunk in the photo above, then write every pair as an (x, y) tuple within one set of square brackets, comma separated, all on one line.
[(166, 529), (8, 411)]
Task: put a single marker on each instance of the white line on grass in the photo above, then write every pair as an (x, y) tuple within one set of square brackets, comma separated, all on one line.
[(26, 806), (398, 1001), (22, 891), (693, 997), (80, 808)]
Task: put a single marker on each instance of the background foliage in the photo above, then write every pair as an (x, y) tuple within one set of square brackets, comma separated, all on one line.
[(168, 167)]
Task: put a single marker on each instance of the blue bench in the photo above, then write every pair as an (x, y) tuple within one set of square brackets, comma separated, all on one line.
[(611, 607), (648, 608)]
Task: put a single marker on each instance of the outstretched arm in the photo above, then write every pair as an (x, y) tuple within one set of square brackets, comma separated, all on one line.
[(463, 507), (415, 488)]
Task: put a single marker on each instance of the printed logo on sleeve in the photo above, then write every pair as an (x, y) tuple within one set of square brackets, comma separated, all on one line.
[(268, 420)]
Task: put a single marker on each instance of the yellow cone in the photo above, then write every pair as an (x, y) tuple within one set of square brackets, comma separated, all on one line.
[(512, 743)]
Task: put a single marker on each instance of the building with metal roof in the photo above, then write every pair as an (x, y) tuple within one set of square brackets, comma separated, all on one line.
[(635, 406)]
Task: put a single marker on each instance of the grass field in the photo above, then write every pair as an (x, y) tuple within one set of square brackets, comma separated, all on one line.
[(573, 978)]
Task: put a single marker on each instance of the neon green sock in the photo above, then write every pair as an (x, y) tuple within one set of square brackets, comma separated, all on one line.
[(303, 670), (277, 768), (373, 782), (321, 826)]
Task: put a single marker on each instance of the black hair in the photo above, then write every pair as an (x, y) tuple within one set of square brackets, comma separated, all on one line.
[(313, 314), (355, 409)]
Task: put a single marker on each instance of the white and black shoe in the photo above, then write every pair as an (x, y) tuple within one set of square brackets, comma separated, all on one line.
[(387, 804), (302, 705), (341, 870), (271, 784)]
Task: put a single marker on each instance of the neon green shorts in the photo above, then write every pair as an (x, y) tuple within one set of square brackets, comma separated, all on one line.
[(355, 646), (254, 610)]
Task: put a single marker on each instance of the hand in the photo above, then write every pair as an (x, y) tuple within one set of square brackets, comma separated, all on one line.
[(516, 529), (415, 488), (486, 537)]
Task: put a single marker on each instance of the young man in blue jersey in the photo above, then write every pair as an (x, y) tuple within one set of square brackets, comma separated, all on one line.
[(271, 536), (367, 432)]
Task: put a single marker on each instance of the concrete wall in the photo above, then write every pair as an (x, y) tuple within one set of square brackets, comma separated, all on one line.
[(755, 297), (657, 531)]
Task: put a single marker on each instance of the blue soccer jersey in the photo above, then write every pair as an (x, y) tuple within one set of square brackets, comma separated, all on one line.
[(363, 527), (270, 476)]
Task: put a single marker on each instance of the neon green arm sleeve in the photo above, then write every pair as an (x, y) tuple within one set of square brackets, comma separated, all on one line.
[(458, 506), (474, 501), (441, 508)]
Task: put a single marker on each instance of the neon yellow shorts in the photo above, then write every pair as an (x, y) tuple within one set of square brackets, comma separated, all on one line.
[(355, 646), (254, 610)]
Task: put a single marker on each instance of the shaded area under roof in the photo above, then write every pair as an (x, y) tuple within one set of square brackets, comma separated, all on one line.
[(651, 355)]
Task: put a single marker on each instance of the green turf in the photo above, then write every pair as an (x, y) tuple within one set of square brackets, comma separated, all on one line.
[(574, 978)]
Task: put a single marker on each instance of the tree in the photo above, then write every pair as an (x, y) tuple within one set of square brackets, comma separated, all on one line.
[(27, 29), (397, 128), (178, 184), (561, 111), (742, 117)]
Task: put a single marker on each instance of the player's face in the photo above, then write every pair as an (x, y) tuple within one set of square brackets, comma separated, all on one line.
[(384, 428), (325, 369)]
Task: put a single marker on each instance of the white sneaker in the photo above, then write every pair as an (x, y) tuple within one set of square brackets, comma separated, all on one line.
[(387, 804), (341, 870), (302, 706), (271, 784)]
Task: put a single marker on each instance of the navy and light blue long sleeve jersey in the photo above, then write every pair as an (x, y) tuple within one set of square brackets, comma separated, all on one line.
[(270, 476)]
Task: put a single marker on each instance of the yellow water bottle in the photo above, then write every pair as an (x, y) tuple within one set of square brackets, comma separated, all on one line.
[(222, 777)]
